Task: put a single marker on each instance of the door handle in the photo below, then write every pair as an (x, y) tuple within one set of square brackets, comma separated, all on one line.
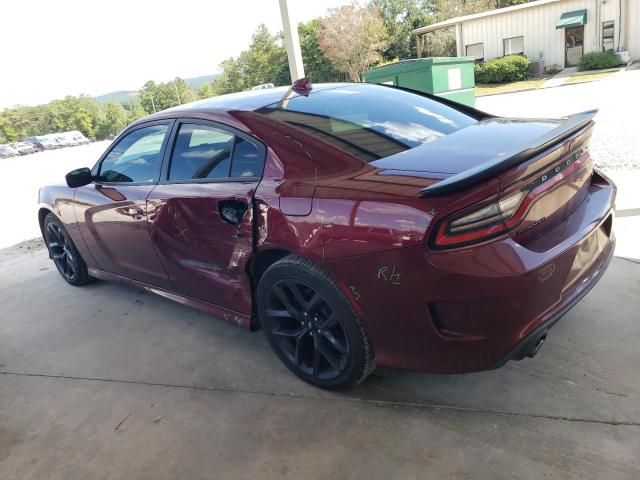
[(232, 211)]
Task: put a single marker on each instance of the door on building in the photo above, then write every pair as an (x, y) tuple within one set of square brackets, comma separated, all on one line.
[(574, 45)]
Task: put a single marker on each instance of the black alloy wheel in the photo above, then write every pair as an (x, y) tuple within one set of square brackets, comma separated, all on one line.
[(60, 253), (63, 252), (311, 326), (307, 329)]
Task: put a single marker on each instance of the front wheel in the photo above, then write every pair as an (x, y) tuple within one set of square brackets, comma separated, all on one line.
[(311, 326), (63, 252)]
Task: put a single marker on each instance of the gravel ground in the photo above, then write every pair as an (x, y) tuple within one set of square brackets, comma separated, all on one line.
[(615, 144)]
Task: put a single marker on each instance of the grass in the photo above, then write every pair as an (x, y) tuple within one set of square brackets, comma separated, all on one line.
[(491, 88), (587, 77), (532, 83)]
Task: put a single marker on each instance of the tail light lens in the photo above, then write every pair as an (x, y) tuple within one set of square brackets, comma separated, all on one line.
[(481, 224), (503, 214)]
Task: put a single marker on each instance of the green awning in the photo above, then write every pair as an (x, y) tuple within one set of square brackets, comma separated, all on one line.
[(572, 19)]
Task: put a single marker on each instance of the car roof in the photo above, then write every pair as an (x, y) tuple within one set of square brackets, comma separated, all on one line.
[(249, 100)]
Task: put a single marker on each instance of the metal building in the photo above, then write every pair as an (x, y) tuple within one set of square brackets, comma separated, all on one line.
[(555, 32)]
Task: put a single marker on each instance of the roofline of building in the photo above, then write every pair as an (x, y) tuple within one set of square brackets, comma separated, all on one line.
[(498, 11)]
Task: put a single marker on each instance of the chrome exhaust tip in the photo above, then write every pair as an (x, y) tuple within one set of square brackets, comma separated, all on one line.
[(536, 347)]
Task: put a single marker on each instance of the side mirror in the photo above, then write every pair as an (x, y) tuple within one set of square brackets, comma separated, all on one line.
[(79, 177)]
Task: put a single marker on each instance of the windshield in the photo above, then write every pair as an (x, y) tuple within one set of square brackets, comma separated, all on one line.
[(370, 121)]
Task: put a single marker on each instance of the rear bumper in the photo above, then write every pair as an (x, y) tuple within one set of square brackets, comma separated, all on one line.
[(473, 309), (531, 341)]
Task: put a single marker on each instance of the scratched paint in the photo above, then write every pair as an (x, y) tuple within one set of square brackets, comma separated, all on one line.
[(356, 294)]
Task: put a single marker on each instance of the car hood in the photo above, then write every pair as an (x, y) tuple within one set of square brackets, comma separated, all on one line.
[(478, 143)]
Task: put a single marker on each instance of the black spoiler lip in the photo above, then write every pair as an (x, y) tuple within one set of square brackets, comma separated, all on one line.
[(486, 170)]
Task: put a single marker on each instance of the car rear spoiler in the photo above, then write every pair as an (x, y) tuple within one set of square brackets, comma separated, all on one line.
[(486, 170)]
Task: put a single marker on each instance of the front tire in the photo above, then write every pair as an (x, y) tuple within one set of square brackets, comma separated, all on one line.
[(64, 253), (311, 326)]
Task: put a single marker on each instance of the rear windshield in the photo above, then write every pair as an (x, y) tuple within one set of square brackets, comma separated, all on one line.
[(370, 121)]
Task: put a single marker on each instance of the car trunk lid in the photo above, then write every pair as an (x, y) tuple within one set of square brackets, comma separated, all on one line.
[(540, 170)]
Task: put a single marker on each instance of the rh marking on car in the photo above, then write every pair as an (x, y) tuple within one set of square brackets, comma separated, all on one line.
[(389, 274)]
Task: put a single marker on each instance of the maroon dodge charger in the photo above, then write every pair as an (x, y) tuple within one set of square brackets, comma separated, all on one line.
[(355, 224)]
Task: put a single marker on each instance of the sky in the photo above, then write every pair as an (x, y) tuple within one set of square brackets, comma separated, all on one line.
[(53, 48)]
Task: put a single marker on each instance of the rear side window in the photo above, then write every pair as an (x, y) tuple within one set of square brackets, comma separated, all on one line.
[(246, 162), (204, 152), (136, 158), (370, 121)]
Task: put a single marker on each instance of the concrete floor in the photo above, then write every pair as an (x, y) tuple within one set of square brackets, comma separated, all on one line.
[(109, 382)]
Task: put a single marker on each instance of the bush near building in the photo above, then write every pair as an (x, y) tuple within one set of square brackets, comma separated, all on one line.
[(599, 60), (511, 68)]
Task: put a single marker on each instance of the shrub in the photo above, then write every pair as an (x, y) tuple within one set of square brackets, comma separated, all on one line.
[(511, 68), (599, 60), (553, 69)]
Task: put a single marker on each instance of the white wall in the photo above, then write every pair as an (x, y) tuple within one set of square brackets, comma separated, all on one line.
[(634, 29), (538, 27)]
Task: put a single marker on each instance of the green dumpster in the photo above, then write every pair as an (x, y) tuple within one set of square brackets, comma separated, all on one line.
[(447, 77)]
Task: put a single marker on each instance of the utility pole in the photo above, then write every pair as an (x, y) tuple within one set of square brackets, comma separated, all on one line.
[(177, 94), (292, 42)]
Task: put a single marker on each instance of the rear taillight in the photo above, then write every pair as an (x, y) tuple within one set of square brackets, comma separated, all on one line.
[(487, 222), (503, 214)]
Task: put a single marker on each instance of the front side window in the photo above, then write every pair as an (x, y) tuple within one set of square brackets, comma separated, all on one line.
[(476, 51), (370, 121), (513, 46), (136, 158), (204, 152)]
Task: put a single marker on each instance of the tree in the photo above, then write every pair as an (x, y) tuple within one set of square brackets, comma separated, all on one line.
[(115, 118), (155, 97), (446, 9), (317, 67), (265, 61), (509, 3), (400, 17), (148, 94), (134, 111), (75, 113), (231, 79), (206, 91), (352, 38)]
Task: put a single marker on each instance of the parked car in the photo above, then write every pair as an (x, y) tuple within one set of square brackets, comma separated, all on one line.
[(53, 139), (48, 143), (262, 86), (78, 137), (355, 224), (24, 148), (7, 151), (66, 141), (42, 142), (35, 143)]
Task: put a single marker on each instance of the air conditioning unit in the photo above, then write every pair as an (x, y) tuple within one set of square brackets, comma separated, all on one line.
[(538, 67)]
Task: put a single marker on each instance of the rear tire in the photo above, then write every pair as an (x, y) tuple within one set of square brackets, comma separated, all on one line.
[(311, 325), (64, 253)]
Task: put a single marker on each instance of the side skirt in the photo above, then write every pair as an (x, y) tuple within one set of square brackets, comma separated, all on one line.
[(230, 316)]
